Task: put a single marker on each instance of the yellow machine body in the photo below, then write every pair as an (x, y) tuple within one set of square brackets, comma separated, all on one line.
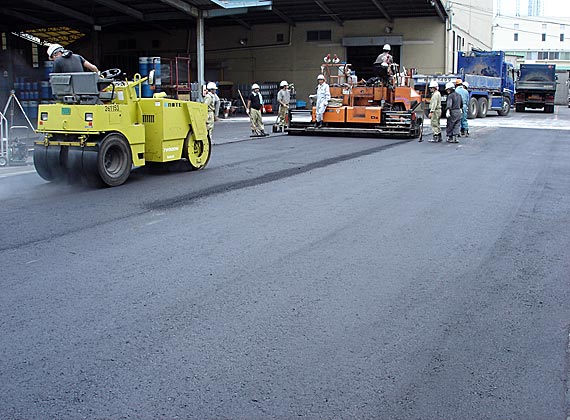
[(155, 129)]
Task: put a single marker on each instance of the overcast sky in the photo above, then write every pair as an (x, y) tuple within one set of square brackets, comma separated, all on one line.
[(551, 7)]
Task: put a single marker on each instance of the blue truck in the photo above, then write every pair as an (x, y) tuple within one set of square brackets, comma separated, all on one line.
[(490, 78), (536, 87)]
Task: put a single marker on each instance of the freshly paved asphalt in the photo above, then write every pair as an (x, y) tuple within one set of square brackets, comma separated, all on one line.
[(297, 277)]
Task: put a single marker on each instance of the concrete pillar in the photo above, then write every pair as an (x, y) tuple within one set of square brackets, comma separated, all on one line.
[(200, 49)]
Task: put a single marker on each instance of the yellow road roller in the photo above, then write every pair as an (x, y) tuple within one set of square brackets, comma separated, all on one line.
[(100, 127)]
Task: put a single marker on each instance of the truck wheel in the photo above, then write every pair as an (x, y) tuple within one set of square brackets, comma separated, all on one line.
[(549, 109), (519, 108), (472, 109), (483, 106), (3, 161), (196, 152), (505, 108), (114, 160)]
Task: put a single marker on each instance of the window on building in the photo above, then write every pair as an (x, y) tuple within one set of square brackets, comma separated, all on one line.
[(516, 38), (542, 55), (544, 26), (458, 43), (319, 35), (561, 37), (35, 57), (553, 55), (543, 37), (532, 55), (516, 26)]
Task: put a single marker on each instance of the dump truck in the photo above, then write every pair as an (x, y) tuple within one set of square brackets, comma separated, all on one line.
[(98, 129), (368, 108), (535, 87), (490, 78)]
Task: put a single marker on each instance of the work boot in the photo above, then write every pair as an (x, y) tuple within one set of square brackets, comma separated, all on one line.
[(264, 134), (439, 139), (316, 124), (466, 133)]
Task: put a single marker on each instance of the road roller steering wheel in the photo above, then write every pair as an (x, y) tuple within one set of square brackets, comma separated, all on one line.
[(110, 74)]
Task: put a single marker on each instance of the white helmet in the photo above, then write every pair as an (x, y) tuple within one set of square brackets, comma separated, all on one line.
[(466, 84), (450, 85), (53, 48), (433, 84), (254, 86), (321, 77), (211, 85), (283, 83), (386, 47)]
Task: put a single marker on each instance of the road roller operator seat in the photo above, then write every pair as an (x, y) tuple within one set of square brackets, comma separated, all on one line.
[(85, 88)]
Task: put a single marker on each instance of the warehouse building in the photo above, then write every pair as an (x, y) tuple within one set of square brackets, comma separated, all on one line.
[(238, 42)]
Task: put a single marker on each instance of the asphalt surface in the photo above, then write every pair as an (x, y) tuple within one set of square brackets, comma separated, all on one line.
[(297, 277)]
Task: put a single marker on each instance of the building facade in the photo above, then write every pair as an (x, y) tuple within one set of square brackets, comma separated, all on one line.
[(536, 39)]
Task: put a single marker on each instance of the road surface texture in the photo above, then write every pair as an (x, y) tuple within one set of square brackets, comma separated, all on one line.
[(297, 277)]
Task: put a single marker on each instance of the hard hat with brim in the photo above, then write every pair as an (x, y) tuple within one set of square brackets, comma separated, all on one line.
[(433, 84), (321, 77), (254, 86), (211, 85), (53, 48), (450, 85)]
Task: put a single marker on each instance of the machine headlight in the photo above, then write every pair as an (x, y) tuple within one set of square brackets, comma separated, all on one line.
[(44, 116), (88, 116)]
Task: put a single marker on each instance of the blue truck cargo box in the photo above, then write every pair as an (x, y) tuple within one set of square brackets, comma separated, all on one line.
[(483, 82)]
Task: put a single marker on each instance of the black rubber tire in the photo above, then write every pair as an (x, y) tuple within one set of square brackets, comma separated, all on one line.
[(114, 160), (48, 162), (506, 107), (472, 108), (74, 165), (483, 107), (549, 109), (3, 161), (519, 108)]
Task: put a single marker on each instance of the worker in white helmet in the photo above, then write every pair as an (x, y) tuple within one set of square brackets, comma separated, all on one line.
[(383, 65), (435, 111), (210, 101), (454, 110), (323, 98), (64, 61), (255, 110), (462, 90), (283, 98)]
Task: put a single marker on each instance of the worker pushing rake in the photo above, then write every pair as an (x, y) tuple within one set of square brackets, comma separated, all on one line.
[(254, 109)]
